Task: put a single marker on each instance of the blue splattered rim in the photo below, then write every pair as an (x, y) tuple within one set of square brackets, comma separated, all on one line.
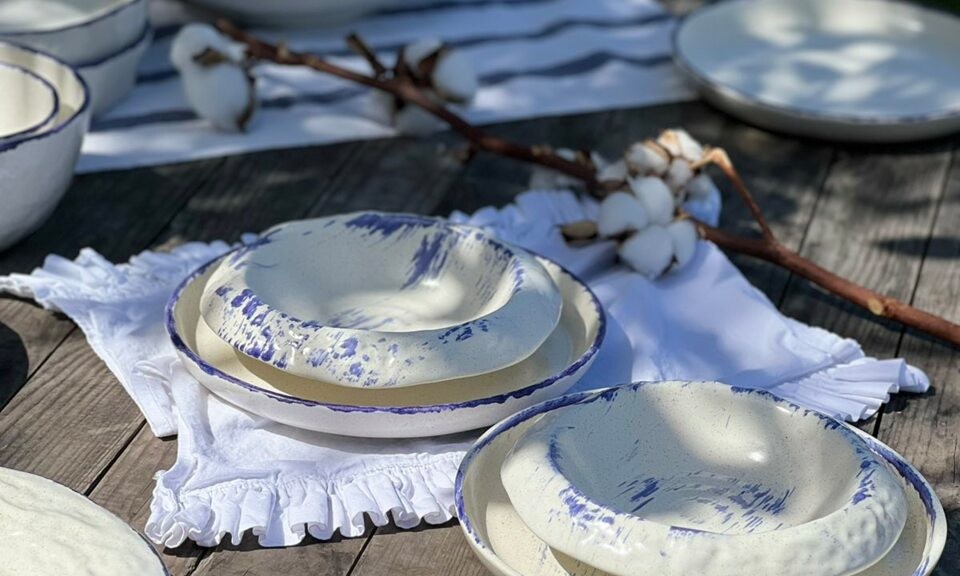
[(703, 79), (84, 105), (932, 506), (132, 45), (120, 7), (573, 368), (54, 110)]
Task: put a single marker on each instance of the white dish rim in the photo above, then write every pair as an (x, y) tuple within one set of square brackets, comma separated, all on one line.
[(704, 80), (114, 7), (145, 36), (37, 127)]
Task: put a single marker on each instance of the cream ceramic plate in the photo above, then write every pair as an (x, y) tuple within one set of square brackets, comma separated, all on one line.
[(30, 103), (73, 30), (376, 300), (112, 77), (508, 548), (50, 530), (863, 70), (36, 169), (427, 410)]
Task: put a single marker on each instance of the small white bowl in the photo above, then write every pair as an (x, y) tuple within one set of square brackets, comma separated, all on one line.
[(507, 547), (30, 103), (377, 300), (407, 412), (74, 31), (704, 478), (36, 170), (111, 78)]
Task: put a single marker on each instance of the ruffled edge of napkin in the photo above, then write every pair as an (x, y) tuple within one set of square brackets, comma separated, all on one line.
[(282, 511)]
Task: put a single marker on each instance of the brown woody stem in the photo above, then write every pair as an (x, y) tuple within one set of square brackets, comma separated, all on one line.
[(766, 248)]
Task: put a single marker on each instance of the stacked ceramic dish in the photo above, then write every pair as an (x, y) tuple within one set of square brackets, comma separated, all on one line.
[(384, 325), (674, 478), (103, 39), (43, 118)]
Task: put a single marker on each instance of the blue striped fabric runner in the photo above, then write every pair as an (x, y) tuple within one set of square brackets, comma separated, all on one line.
[(534, 58)]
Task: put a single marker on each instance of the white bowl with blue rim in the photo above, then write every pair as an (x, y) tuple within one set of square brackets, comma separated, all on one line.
[(704, 478), (30, 103), (74, 31), (36, 170), (411, 411), (378, 300), (112, 77), (508, 547)]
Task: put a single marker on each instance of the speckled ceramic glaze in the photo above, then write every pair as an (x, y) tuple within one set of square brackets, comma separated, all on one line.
[(29, 103), (35, 170), (703, 478), (507, 546), (413, 411), (375, 300), (75, 31), (112, 77), (50, 530)]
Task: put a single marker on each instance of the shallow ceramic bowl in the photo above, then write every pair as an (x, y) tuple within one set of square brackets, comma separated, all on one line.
[(50, 530), (858, 70), (413, 411), (507, 547), (75, 31), (30, 103), (703, 478), (293, 13), (375, 300), (111, 78), (35, 170)]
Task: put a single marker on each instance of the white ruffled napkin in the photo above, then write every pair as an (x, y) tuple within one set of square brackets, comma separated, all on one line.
[(235, 471)]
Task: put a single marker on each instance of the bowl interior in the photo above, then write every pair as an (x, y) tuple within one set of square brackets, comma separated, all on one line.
[(70, 89), (703, 456), (42, 15), (380, 272), (28, 101)]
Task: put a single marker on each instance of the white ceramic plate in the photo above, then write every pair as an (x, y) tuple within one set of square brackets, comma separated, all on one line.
[(377, 300), (293, 13), (507, 547), (30, 103), (75, 31), (111, 78), (418, 411), (35, 170), (50, 530), (758, 486), (858, 70)]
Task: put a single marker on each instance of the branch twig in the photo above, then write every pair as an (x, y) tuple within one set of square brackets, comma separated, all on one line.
[(765, 248)]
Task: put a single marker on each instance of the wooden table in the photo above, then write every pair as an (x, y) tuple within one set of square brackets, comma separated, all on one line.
[(886, 217)]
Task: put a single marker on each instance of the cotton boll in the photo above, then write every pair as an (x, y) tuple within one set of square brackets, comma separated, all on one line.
[(454, 78), (616, 172), (621, 212), (413, 120), (680, 144), (542, 178), (416, 52), (655, 197), (216, 84), (684, 237), (649, 251), (679, 174), (645, 158), (700, 187)]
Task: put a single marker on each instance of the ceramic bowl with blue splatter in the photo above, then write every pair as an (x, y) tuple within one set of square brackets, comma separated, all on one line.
[(508, 547), (704, 478), (376, 300)]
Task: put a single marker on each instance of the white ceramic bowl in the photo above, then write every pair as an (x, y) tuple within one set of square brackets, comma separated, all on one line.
[(507, 547), (73, 30), (50, 530), (377, 300), (417, 411), (111, 78), (36, 170), (293, 13), (703, 478), (858, 70), (30, 103)]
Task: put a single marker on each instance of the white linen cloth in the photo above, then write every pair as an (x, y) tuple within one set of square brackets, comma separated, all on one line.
[(236, 472), (533, 57)]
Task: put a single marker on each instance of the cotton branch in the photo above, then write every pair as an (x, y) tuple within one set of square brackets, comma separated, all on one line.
[(768, 247)]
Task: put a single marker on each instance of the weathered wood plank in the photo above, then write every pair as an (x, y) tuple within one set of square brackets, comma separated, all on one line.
[(329, 558), (418, 552)]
